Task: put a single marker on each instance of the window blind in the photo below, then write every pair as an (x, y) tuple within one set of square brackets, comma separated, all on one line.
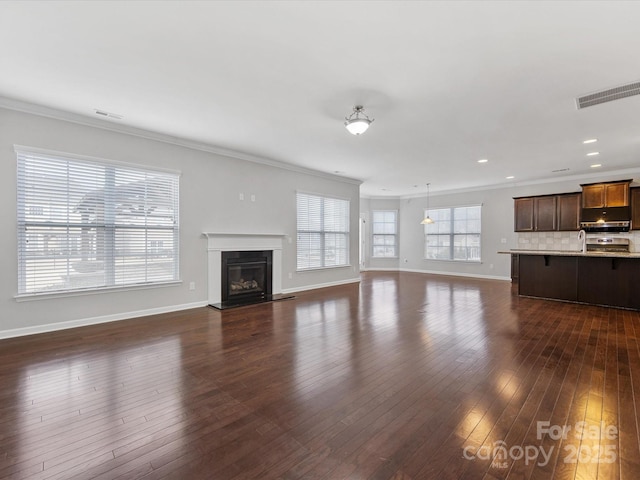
[(455, 234), (322, 232), (88, 224), (384, 231)]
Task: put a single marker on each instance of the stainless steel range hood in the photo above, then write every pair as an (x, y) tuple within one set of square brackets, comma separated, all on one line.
[(611, 219)]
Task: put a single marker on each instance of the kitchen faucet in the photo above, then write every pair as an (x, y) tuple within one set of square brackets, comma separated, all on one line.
[(582, 237)]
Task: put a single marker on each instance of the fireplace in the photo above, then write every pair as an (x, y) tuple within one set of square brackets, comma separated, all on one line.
[(251, 245), (246, 277)]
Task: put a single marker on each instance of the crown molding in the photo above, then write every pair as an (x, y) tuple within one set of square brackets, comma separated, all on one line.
[(601, 176), (44, 111)]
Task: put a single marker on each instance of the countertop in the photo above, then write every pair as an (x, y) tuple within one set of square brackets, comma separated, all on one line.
[(571, 253)]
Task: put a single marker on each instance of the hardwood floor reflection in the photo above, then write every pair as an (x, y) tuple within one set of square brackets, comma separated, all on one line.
[(405, 376)]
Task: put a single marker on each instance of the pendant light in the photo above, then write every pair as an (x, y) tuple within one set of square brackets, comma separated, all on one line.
[(357, 124), (427, 219)]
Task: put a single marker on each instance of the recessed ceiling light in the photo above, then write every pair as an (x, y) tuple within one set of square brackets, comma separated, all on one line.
[(510, 177), (483, 160), (596, 165), (592, 154), (591, 140)]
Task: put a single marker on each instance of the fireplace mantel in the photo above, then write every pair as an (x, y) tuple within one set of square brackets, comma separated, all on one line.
[(217, 242)]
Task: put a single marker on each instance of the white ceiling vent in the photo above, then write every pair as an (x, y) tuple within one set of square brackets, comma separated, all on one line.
[(608, 95), (108, 114)]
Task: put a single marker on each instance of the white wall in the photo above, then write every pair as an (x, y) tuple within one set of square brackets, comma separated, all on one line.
[(210, 185), (366, 207), (497, 224)]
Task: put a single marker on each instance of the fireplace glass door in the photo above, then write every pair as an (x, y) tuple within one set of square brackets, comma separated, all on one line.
[(246, 276)]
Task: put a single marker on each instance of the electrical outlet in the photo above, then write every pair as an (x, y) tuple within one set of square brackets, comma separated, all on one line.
[(253, 198), (192, 285), (241, 196)]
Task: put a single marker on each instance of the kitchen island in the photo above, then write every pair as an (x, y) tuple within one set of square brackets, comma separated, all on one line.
[(598, 278)]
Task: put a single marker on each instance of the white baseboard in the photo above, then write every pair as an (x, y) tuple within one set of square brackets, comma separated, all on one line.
[(320, 285), (439, 272), (456, 274), (51, 327)]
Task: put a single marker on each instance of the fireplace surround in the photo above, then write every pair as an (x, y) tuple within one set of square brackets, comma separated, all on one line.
[(219, 243)]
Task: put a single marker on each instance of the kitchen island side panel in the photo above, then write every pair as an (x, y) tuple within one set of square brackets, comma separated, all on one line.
[(548, 276), (607, 280)]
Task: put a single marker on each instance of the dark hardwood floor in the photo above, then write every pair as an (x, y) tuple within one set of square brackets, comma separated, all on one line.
[(405, 376)]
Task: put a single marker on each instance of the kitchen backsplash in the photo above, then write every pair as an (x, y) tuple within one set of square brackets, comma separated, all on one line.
[(568, 240)]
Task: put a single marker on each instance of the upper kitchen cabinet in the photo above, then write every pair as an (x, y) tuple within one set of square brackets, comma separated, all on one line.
[(635, 208), (523, 214), (611, 194), (547, 213), (569, 212)]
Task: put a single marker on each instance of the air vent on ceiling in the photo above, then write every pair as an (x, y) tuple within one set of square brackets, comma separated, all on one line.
[(608, 95), (108, 114)]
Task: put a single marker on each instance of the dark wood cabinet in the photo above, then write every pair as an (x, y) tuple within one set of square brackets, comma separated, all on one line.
[(548, 276), (593, 196), (523, 214), (545, 213), (515, 267), (635, 208), (600, 195), (569, 212), (609, 281), (616, 194)]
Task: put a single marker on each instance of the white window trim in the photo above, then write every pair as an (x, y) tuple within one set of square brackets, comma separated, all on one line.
[(322, 232), (396, 244), (27, 297), (35, 295), (452, 260), (90, 158)]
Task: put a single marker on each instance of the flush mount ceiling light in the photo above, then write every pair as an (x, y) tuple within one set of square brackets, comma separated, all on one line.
[(427, 219), (357, 123)]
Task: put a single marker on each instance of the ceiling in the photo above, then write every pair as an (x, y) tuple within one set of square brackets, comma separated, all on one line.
[(448, 83)]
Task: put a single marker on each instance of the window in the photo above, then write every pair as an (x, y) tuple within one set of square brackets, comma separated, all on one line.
[(85, 224), (385, 230), (323, 232), (454, 235)]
